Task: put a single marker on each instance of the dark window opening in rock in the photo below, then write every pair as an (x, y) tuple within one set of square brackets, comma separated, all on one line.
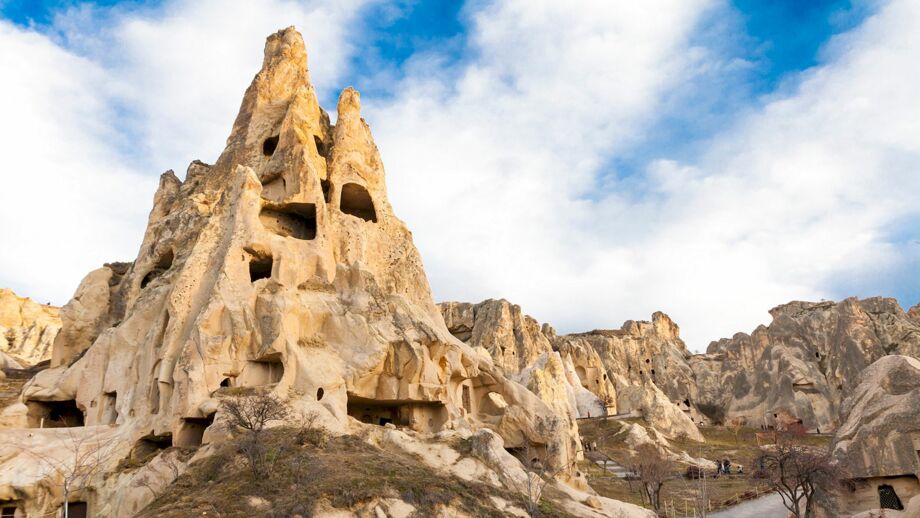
[(326, 185), (7, 511), (262, 372), (319, 393), (260, 267), (467, 405), (297, 220), (163, 264), (54, 414), (647, 360), (518, 452), (320, 147), (775, 416), (270, 145), (888, 499), (225, 382), (109, 408), (77, 510), (191, 431), (687, 402), (653, 372), (817, 355), (150, 445), (356, 201), (417, 415), (605, 376)]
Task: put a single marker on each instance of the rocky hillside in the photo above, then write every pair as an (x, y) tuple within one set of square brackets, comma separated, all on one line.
[(878, 441), (639, 369), (281, 271), (805, 362), (800, 367), (27, 329)]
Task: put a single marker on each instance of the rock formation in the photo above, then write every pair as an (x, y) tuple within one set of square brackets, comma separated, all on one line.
[(641, 359), (513, 339), (639, 368), (878, 441), (281, 267), (27, 329), (804, 362), (518, 345)]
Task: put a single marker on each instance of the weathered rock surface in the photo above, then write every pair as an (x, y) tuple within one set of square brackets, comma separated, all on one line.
[(640, 368), (513, 339), (281, 267), (27, 329), (877, 442), (521, 347), (914, 312), (805, 362), (641, 354), (880, 431)]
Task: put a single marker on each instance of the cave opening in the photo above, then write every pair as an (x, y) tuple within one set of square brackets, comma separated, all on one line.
[(270, 145), (260, 267), (297, 220), (356, 201), (164, 263), (54, 414), (191, 431)]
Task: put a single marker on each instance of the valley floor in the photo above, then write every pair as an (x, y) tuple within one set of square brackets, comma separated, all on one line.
[(679, 494)]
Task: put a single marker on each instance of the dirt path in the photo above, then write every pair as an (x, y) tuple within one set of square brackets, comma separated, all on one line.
[(770, 506)]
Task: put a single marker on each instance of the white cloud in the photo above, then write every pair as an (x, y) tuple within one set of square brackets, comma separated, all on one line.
[(495, 171), (501, 165)]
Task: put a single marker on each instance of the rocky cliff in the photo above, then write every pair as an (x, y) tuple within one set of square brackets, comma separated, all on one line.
[(281, 268), (641, 368), (879, 439), (27, 329), (805, 362), (800, 367)]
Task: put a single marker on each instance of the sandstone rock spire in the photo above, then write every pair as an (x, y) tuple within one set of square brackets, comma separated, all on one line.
[(281, 268)]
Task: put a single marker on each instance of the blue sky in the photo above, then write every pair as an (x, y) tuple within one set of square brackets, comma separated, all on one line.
[(707, 158)]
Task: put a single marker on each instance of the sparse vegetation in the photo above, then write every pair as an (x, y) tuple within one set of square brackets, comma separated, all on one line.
[(651, 469), (680, 493), (251, 414), (795, 470), (343, 471)]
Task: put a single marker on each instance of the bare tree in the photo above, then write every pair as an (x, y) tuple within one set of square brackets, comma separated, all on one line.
[(540, 473), (735, 425), (795, 471), (539, 466), (652, 468), (85, 456), (252, 414), (697, 484)]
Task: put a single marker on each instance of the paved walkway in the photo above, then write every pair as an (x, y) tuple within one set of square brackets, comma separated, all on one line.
[(770, 506), (613, 468)]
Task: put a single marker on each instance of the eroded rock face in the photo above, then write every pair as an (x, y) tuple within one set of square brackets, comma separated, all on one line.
[(805, 362), (640, 353), (282, 267), (878, 440), (513, 339), (639, 368), (27, 329), (880, 431)]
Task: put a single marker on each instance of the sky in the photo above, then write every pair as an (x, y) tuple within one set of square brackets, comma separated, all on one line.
[(593, 162)]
